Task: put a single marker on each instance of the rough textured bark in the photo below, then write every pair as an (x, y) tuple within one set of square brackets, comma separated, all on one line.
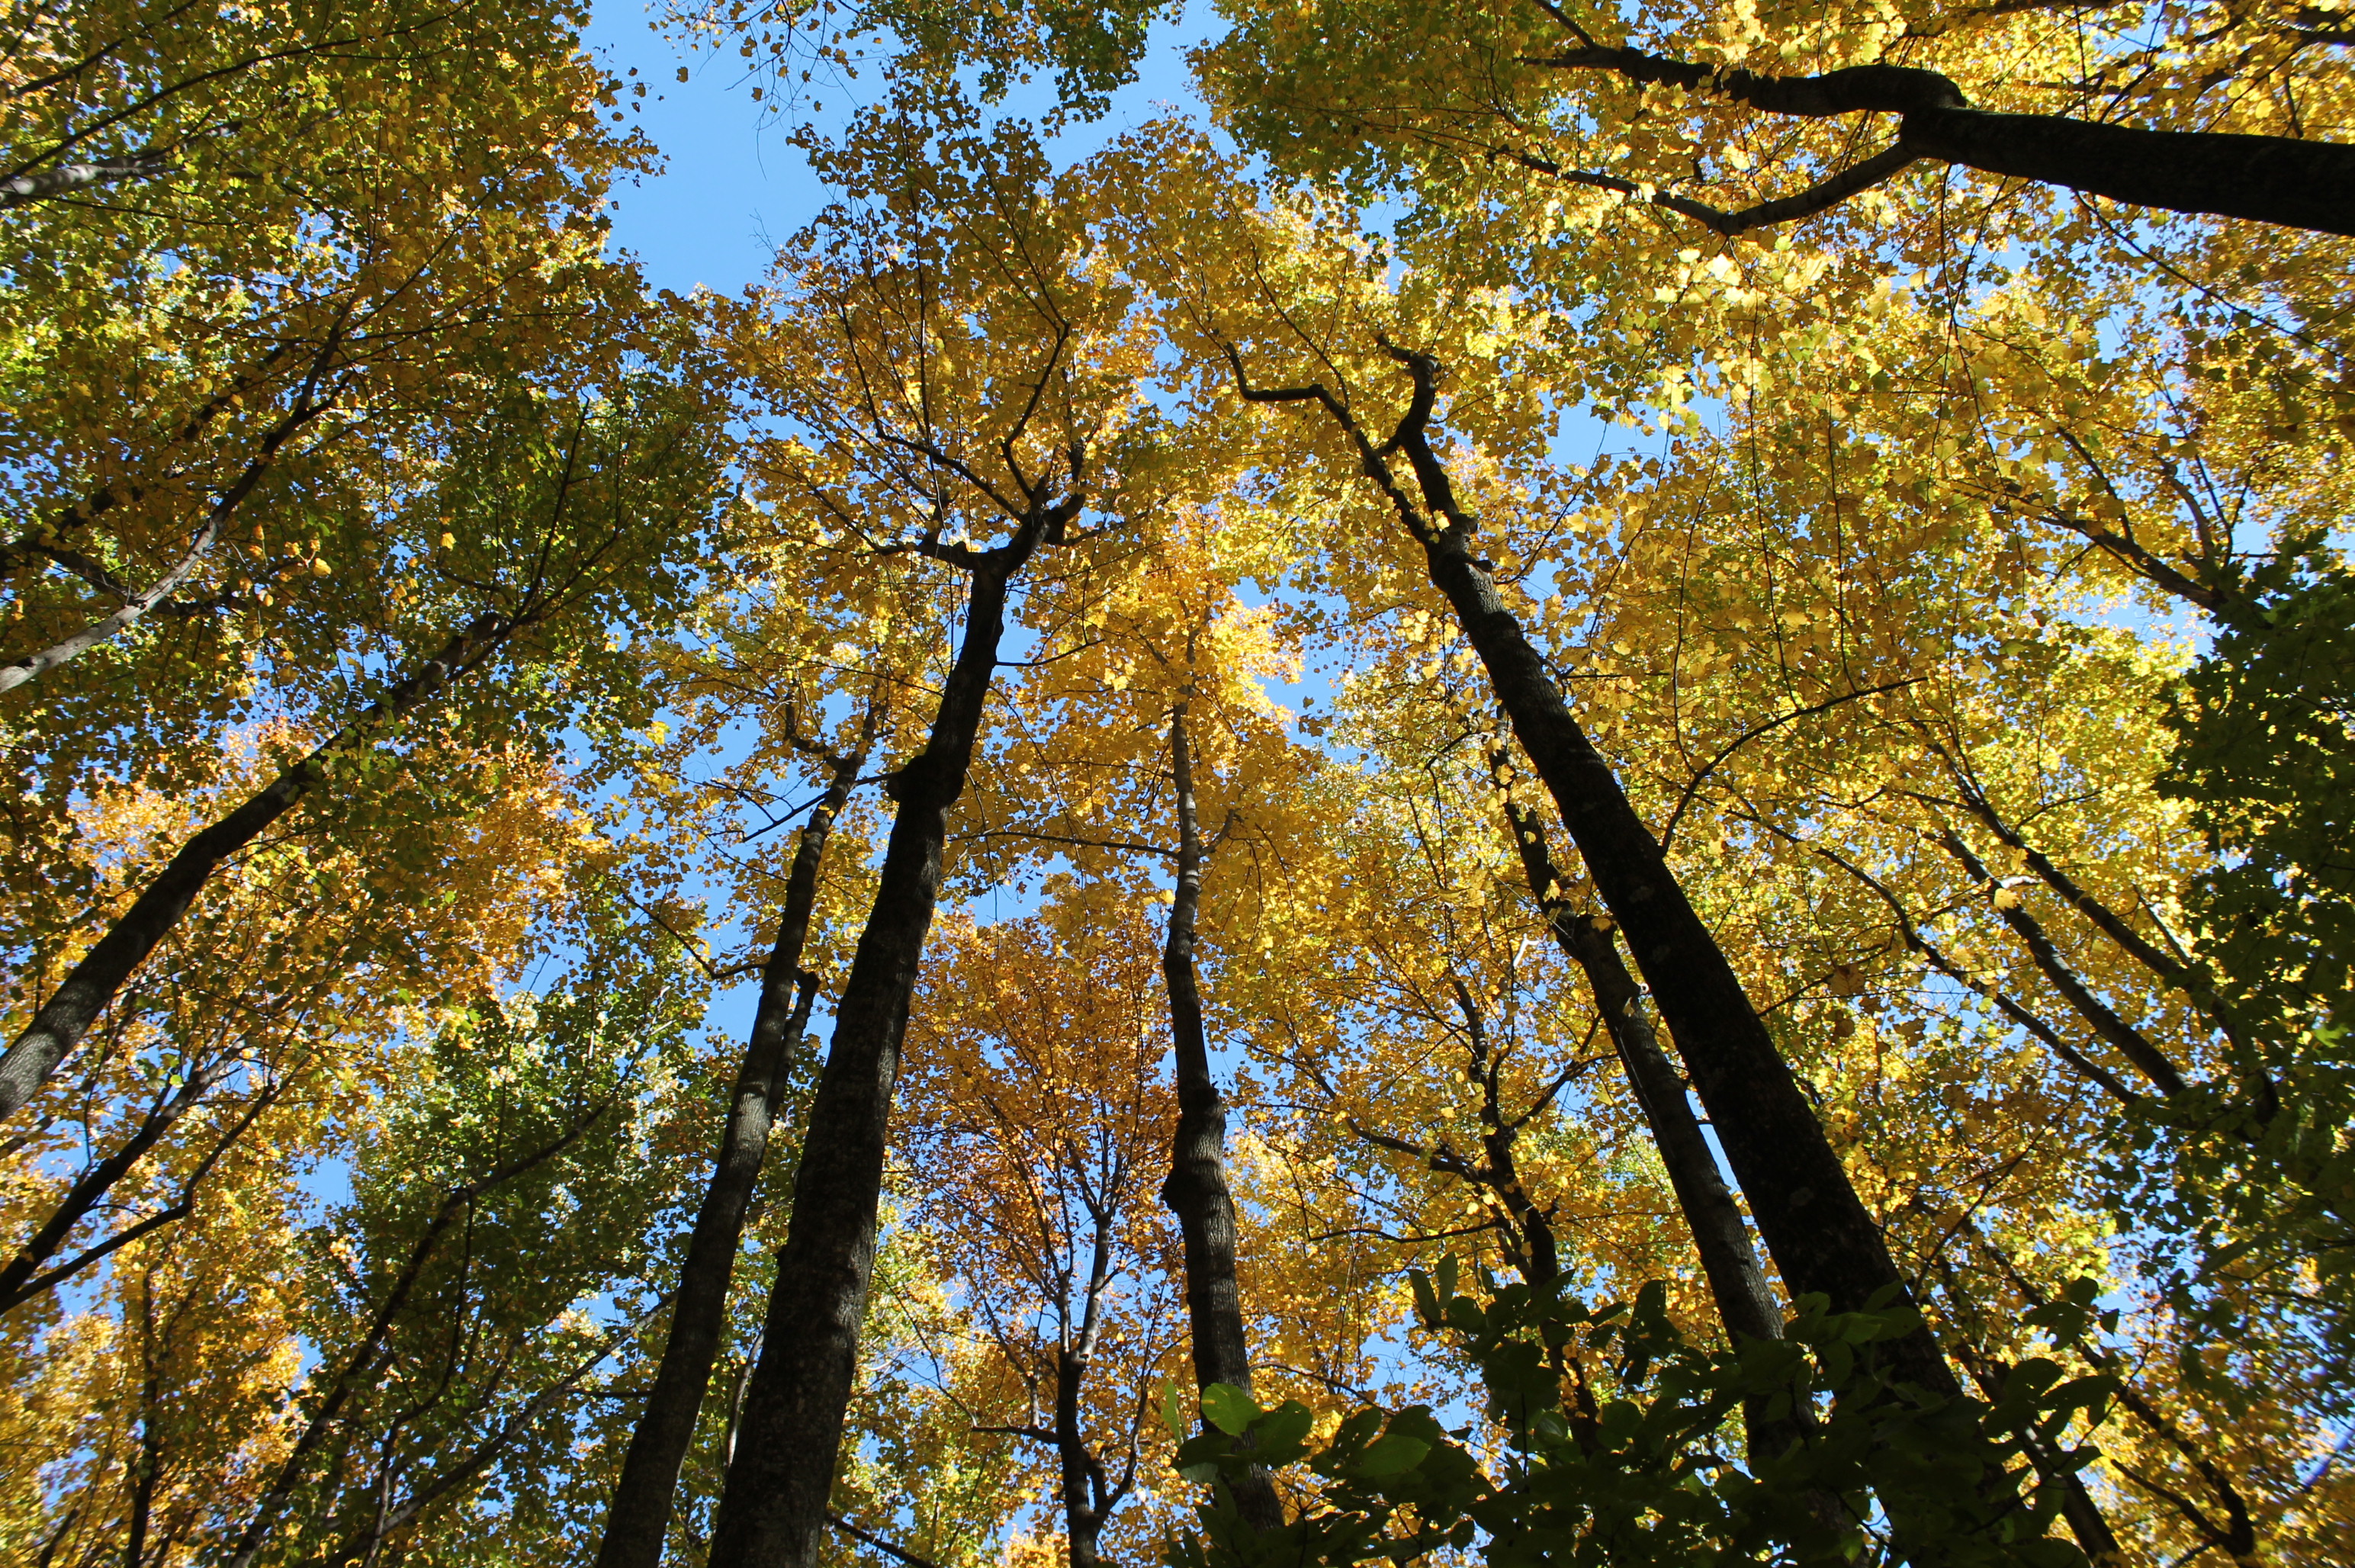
[(642, 1496), (59, 1025), (2272, 180), (1746, 1304), (1197, 1188), (774, 1504), (1815, 1228)]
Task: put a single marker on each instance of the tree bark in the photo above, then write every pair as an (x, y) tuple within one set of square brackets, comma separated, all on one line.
[(64, 179), (2130, 1042), (772, 1509), (639, 1518), (1746, 1304), (1088, 1499), (1197, 1188), (2272, 179), (59, 1025), (40, 663), (1815, 1228)]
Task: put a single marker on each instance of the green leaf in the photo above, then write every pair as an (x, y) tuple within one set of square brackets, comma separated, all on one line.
[(1394, 1455), (1228, 1409)]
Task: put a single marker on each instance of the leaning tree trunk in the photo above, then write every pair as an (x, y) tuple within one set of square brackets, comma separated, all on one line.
[(1745, 1301), (774, 1504), (642, 1496), (1197, 1188), (59, 1025), (1815, 1225), (1815, 1228)]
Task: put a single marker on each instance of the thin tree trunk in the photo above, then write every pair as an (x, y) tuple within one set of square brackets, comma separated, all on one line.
[(64, 179), (1745, 1300), (59, 1025), (1815, 1228), (23, 1279), (639, 1518), (2129, 1041), (393, 1518), (363, 1356), (772, 1509), (149, 1460), (1087, 1499), (136, 607), (2085, 1517), (1197, 1188)]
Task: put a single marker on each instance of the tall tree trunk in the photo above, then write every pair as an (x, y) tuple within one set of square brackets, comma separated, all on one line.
[(59, 1025), (1197, 1188), (1815, 1226), (1745, 1300), (640, 1515), (773, 1508), (147, 1467), (1089, 1497), (1083, 1525)]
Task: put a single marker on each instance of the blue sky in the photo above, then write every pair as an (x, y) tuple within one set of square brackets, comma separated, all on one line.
[(733, 186)]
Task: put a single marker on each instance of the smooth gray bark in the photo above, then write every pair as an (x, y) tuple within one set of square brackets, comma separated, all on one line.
[(64, 179)]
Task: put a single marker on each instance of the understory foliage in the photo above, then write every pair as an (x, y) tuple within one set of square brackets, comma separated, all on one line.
[(1263, 663)]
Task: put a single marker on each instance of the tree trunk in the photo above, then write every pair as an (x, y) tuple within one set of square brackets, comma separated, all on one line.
[(1813, 1223), (2272, 180), (640, 1515), (64, 179), (137, 605), (1088, 1500), (1745, 1300), (2129, 1041), (59, 1025), (1197, 1188), (773, 1508), (1815, 1228)]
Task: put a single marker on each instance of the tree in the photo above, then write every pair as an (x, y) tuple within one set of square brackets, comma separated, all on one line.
[(962, 379), (1036, 1123)]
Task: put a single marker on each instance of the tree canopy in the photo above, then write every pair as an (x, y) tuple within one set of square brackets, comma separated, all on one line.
[(1555, 785)]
